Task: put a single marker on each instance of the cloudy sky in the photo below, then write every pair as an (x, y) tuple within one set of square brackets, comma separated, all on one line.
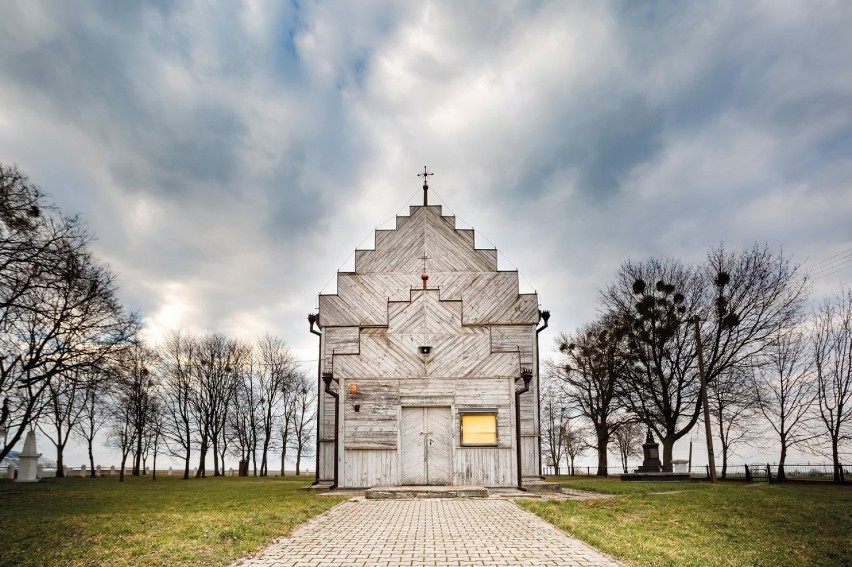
[(230, 157)]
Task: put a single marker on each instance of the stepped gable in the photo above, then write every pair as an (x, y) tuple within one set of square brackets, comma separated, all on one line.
[(456, 268)]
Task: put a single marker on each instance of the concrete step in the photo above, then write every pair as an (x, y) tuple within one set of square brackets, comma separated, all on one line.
[(540, 486), (410, 492)]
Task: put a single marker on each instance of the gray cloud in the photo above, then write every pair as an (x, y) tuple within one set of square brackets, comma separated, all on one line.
[(230, 159)]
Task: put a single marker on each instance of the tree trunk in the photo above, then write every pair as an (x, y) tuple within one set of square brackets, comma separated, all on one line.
[(60, 469), (603, 441), (186, 464), (298, 460), (154, 467), (263, 461), (91, 458), (137, 458), (202, 457), (284, 439), (283, 453), (668, 447), (215, 458), (781, 475), (835, 458), (121, 470), (724, 459)]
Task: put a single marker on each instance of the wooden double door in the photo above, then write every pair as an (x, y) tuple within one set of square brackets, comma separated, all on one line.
[(427, 445)]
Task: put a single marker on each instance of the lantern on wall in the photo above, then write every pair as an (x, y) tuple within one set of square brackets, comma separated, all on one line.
[(353, 393)]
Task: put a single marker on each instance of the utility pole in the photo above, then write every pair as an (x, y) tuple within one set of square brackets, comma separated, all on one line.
[(710, 459)]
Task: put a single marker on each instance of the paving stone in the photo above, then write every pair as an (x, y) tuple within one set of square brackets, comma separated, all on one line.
[(427, 532)]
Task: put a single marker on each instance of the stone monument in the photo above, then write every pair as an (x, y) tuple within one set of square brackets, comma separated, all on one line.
[(651, 451), (652, 468), (28, 460)]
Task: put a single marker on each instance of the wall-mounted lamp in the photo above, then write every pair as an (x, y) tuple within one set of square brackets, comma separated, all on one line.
[(313, 319), (425, 349), (353, 393), (526, 376)]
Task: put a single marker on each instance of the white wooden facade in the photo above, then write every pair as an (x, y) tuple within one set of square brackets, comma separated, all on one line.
[(480, 332)]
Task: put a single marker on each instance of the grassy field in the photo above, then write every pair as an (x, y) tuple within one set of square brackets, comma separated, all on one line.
[(208, 521), (681, 524)]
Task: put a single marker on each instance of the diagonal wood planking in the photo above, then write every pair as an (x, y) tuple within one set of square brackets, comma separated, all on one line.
[(481, 331)]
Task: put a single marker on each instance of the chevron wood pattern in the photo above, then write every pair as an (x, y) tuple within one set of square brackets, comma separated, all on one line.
[(480, 332)]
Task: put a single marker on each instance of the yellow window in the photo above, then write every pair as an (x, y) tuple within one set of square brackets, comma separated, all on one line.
[(479, 429)]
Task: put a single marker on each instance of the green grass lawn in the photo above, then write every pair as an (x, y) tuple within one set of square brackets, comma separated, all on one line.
[(680, 524), (209, 521)]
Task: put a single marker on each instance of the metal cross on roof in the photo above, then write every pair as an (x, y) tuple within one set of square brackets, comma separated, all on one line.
[(425, 175)]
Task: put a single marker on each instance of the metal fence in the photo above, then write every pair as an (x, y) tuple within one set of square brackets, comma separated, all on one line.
[(549, 470), (757, 472), (764, 472)]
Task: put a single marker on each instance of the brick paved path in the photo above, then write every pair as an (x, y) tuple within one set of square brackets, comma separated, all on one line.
[(440, 532)]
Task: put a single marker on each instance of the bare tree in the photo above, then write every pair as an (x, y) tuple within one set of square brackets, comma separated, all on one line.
[(287, 422), (305, 397), (832, 343), (742, 299), (595, 362), (275, 373), (786, 391), (575, 439), (136, 386), (555, 415), (63, 408), (58, 306), (652, 300), (733, 407), (178, 354), (245, 419), (750, 296), (214, 375), (155, 432), (628, 439), (94, 412), (121, 433)]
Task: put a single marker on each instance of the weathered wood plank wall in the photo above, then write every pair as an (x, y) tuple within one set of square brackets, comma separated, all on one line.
[(480, 330)]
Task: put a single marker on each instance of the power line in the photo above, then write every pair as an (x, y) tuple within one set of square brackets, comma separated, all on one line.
[(844, 252), (834, 264), (846, 267)]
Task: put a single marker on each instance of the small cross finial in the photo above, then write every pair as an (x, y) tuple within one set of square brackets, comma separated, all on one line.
[(425, 175)]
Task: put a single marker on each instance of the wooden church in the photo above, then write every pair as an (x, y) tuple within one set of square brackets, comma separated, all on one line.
[(428, 364)]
